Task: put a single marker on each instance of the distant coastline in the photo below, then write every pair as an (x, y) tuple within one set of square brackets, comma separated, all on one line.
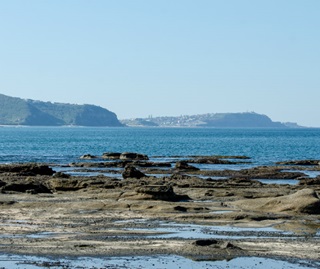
[(211, 120), (15, 111)]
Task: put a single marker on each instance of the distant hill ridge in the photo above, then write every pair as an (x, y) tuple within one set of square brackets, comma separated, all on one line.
[(17, 111), (217, 120)]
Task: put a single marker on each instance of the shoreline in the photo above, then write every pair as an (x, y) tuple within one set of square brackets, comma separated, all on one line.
[(48, 213)]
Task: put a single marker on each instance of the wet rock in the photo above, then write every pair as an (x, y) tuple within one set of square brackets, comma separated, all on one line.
[(61, 175), (133, 156), (132, 172), (32, 188), (300, 162), (205, 242), (151, 164), (211, 160), (216, 244), (111, 155), (119, 164), (7, 202), (183, 165), (180, 208), (310, 181), (27, 169), (75, 184), (2, 183), (264, 172), (88, 157), (160, 192)]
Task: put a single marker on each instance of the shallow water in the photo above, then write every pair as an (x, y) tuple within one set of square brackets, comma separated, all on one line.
[(139, 262), (279, 181), (193, 231)]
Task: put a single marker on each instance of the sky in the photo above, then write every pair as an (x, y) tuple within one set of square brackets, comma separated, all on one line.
[(166, 57)]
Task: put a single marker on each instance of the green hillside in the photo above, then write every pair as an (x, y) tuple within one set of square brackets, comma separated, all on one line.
[(17, 111)]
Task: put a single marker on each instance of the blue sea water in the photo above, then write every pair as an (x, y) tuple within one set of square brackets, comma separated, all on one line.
[(62, 145)]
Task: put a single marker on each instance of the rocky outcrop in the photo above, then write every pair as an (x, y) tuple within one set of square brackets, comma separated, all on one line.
[(132, 172), (211, 160), (215, 243), (133, 156), (111, 155), (88, 157), (303, 201), (310, 181), (184, 166), (32, 187), (160, 192), (27, 169), (75, 184), (300, 162)]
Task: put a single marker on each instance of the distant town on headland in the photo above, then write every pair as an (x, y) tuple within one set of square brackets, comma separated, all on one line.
[(17, 111)]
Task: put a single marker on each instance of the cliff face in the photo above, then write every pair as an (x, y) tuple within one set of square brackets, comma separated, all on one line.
[(17, 111)]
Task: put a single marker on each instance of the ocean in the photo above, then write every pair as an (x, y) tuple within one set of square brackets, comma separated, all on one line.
[(61, 145)]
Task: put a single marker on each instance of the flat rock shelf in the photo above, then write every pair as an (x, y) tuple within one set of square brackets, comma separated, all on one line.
[(162, 213)]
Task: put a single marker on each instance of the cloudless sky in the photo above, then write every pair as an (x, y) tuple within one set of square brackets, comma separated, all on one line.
[(166, 57)]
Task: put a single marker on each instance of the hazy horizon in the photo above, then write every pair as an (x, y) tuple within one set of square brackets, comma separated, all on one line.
[(165, 58)]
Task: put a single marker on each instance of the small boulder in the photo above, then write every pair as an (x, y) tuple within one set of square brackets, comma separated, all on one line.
[(205, 242), (132, 172), (161, 192), (88, 157), (183, 165), (133, 156)]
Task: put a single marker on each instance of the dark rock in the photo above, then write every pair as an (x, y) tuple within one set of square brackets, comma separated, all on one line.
[(111, 155), (7, 202), (26, 187), (75, 184), (310, 181), (131, 172), (183, 165), (161, 192), (2, 183), (88, 157), (151, 164), (216, 244), (211, 160), (61, 175), (228, 245), (27, 169), (265, 172), (133, 156), (300, 162), (205, 242), (180, 208)]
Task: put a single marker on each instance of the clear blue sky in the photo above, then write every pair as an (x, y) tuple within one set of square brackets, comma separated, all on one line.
[(166, 57)]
